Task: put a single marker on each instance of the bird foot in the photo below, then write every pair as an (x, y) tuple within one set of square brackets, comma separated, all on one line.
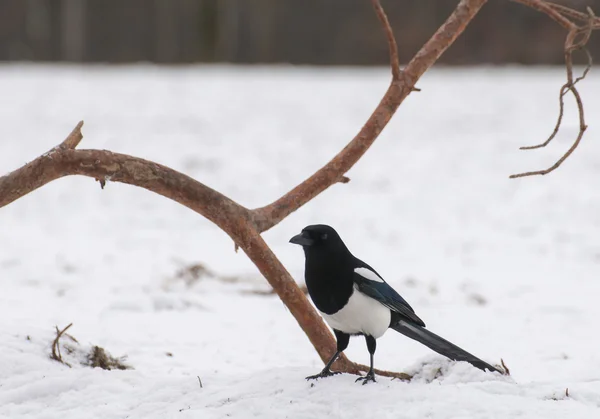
[(323, 374), (367, 378)]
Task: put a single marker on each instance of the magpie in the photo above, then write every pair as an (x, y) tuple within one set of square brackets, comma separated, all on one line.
[(355, 300)]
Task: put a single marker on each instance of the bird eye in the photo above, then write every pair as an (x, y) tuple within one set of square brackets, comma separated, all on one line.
[(324, 236)]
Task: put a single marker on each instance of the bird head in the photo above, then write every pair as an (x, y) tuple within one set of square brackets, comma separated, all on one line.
[(319, 238)]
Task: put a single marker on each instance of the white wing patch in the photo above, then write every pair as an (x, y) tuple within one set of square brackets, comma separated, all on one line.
[(368, 274)]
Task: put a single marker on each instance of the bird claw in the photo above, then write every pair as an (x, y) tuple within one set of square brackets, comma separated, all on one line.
[(323, 374), (367, 378)]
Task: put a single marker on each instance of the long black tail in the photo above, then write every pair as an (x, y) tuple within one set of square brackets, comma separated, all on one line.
[(440, 345)]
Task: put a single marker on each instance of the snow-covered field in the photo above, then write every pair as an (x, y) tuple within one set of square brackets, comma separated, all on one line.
[(504, 268)]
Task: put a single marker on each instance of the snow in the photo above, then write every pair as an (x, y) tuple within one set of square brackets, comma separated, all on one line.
[(503, 268)]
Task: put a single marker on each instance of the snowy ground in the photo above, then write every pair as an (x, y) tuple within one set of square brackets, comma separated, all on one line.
[(504, 268)]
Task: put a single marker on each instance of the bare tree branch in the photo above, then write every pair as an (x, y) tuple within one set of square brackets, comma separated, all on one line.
[(109, 166), (242, 225), (575, 15), (577, 38), (547, 8), (399, 89), (389, 33), (563, 91)]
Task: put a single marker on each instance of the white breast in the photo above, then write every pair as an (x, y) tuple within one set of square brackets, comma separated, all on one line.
[(361, 314)]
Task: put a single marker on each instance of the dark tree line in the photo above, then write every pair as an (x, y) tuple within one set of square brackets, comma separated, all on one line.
[(324, 32)]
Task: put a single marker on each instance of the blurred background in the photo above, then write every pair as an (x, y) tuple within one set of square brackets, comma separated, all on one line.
[(317, 32)]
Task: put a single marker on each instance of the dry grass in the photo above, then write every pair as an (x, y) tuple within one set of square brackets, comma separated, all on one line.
[(95, 357), (99, 358)]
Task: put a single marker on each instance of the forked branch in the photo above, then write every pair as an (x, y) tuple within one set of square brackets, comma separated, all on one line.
[(400, 87), (241, 224)]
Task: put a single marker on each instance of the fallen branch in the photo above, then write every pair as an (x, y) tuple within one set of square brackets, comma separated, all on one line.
[(241, 224)]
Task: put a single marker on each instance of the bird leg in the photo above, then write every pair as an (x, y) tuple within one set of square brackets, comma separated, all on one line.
[(370, 375), (371, 345), (326, 371)]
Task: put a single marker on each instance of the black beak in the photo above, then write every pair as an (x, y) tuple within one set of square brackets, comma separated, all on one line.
[(302, 239)]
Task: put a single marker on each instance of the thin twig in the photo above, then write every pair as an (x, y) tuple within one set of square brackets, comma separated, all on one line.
[(588, 66), (56, 355), (572, 44), (574, 14), (73, 139), (547, 8), (389, 33), (563, 91), (506, 370), (561, 102), (560, 161)]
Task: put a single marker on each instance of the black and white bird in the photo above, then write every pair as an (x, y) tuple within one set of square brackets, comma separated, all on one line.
[(355, 300)]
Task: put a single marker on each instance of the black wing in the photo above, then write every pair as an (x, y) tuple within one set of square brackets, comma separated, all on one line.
[(385, 294)]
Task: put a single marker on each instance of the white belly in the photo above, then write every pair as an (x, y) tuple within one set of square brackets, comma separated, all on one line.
[(361, 314)]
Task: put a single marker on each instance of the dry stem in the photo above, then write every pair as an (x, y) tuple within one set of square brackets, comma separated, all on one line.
[(506, 370), (56, 355)]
